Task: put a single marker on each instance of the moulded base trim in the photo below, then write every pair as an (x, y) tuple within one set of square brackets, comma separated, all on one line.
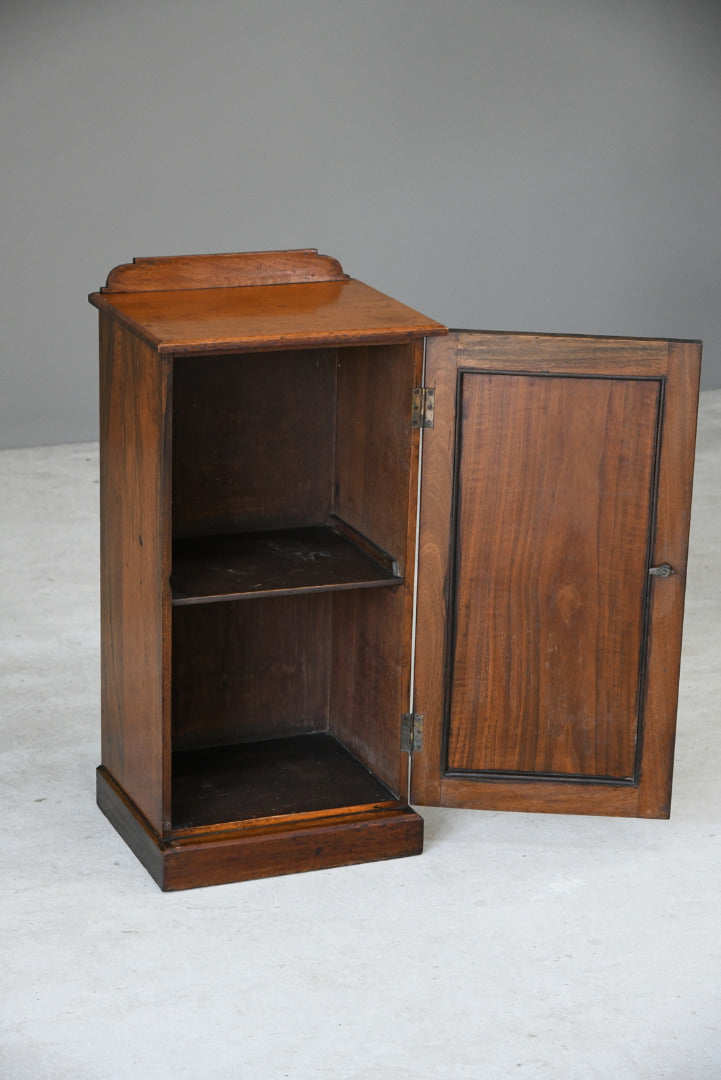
[(242, 854)]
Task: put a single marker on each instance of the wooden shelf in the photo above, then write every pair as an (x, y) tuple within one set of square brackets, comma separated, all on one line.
[(270, 779), (234, 566)]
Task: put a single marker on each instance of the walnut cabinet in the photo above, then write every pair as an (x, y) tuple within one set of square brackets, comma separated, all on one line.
[(353, 562)]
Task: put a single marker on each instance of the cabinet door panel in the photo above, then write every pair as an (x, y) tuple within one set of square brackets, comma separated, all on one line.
[(554, 493), (558, 472)]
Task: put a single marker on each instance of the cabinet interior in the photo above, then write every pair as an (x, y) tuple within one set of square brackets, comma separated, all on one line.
[(293, 482)]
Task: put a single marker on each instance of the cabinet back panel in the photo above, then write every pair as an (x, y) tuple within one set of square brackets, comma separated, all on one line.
[(551, 573), (134, 568), (250, 669), (253, 441)]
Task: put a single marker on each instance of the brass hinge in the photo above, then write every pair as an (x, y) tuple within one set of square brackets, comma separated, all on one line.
[(424, 400), (411, 732)]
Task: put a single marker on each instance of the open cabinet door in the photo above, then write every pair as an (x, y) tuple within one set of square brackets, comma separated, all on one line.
[(555, 500)]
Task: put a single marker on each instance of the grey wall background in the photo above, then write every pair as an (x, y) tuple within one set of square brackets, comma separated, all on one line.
[(499, 164)]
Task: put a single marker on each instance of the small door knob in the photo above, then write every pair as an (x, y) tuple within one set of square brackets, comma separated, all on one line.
[(664, 570)]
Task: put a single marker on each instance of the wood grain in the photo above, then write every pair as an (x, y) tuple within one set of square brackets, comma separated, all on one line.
[(569, 354), (434, 570), (275, 416), (534, 538), (369, 689), (262, 317), (376, 491), (554, 498), (279, 391), (265, 851), (253, 441), (287, 561), (135, 566), (272, 778), (666, 602), (375, 455), (312, 844), (255, 669), (229, 270)]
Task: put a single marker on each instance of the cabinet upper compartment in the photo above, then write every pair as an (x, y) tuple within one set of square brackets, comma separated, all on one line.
[(212, 303)]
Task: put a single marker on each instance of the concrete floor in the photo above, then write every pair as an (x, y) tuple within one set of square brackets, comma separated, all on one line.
[(524, 946)]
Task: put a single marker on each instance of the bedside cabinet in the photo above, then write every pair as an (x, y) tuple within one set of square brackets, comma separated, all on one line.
[(351, 561)]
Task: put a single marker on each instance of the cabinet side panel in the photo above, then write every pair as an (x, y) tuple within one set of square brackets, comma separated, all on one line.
[(376, 493), (134, 568), (369, 690), (374, 458)]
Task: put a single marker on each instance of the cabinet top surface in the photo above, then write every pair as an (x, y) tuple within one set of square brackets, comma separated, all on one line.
[(345, 312)]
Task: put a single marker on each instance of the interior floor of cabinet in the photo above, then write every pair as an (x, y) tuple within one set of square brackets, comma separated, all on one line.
[(273, 778)]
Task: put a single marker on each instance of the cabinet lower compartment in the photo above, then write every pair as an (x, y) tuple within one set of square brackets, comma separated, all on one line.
[(248, 851), (275, 778)]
